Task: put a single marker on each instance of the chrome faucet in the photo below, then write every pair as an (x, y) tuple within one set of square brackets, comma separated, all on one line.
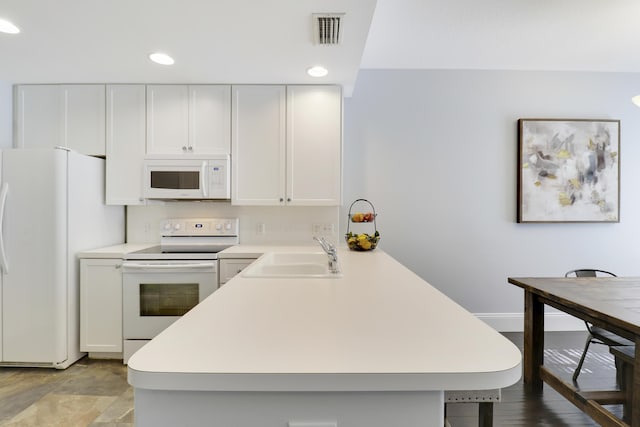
[(332, 253)]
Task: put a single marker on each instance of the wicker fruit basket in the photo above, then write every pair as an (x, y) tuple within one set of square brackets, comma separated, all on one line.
[(362, 241)]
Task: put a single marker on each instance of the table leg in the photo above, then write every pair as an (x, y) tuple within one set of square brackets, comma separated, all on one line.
[(533, 341), (635, 405), (485, 414)]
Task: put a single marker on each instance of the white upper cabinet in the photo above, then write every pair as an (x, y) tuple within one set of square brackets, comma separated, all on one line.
[(71, 116), (126, 110), (314, 145), (286, 145), (258, 159), (188, 119), (167, 119), (210, 119), (84, 106)]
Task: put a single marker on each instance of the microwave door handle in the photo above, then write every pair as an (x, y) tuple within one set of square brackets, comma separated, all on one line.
[(203, 181), (3, 204)]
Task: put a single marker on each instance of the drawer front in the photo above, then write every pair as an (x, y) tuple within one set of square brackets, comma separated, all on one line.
[(230, 267)]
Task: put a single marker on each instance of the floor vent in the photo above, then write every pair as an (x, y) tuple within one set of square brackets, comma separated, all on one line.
[(328, 28)]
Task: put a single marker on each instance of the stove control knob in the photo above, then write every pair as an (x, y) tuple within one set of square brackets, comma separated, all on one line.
[(167, 226), (176, 227), (227, 226), (218, 227)]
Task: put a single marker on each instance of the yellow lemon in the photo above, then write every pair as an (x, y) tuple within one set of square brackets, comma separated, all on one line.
[(365, 244)]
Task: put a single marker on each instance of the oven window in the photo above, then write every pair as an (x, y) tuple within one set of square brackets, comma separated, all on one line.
[(167, 299), (175, 180)]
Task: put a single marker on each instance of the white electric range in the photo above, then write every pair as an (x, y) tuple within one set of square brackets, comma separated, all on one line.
[(161, 283)]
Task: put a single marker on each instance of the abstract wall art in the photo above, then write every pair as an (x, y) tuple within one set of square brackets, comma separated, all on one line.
[(568, 170)]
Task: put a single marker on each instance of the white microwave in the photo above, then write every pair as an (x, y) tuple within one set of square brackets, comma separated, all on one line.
[(193, 178)]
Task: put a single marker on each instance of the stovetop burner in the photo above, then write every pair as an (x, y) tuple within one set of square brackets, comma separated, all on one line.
[(191, 238)]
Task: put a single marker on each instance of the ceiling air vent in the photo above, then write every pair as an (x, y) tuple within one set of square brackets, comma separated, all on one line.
[(328, 28)]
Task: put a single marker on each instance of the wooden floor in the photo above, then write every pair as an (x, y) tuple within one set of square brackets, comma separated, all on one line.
[(524, 409), (95, 393)]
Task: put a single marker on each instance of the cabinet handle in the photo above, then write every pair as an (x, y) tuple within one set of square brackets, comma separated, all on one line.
[(288, 199), (184, 148), (281, 200), (118, 266), (190, 148)]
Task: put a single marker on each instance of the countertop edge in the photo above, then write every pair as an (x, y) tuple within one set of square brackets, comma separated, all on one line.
[(115, 251), (229, 382)]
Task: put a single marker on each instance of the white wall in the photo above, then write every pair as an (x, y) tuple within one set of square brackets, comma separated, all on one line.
[(6, 115), (436, 152)]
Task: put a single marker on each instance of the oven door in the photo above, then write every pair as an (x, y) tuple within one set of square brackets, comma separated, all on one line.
[(156, 293)]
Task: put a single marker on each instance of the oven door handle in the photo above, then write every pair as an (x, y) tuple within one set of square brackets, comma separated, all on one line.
[(167, 266)]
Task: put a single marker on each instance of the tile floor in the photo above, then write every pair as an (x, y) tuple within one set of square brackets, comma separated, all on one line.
[(89, 393)]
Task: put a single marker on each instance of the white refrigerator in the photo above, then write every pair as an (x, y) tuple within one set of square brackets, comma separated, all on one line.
[(52, 205)]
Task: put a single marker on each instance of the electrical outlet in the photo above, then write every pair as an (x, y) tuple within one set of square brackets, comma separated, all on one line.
[(329, 228), (322, 228), (261, 228)]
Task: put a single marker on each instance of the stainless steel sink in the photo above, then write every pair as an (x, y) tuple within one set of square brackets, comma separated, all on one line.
[(291, 264)]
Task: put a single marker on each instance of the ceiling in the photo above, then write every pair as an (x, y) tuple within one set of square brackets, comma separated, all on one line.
[(270, 41), (576, 35), (212, 41)]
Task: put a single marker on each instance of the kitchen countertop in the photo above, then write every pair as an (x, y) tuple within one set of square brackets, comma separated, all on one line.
[(255, 251), (378, 327), (116, 251)]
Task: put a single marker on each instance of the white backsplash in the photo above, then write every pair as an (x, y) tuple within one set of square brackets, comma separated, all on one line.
[(258, 224)]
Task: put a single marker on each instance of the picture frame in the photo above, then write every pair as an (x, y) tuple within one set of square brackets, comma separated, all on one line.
[(568, 170)]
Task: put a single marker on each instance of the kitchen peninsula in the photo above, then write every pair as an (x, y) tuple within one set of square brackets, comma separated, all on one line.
[(375, 347)]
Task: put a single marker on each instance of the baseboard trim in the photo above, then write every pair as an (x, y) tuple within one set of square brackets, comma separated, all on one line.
[(514, 322)]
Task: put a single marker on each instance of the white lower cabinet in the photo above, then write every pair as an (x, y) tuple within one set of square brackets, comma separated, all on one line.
[(229, 267), (101, 305)]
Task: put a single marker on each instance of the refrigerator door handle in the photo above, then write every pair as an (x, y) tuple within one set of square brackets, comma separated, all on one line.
[(3, 203)]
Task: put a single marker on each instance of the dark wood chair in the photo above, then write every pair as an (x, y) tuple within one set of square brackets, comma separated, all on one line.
[(596, 334)]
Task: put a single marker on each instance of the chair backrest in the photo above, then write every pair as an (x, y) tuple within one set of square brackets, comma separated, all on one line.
[(588, 272)]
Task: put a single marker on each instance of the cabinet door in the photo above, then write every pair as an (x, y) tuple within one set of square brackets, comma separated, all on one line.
[(84, 118), (209, 119), (167, 119), (258, 145), (38, 116), (125, 144), (314, 145), (101, 305), (231, 267)]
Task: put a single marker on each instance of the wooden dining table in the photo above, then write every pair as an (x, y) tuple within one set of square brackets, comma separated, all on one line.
[(610, 303)]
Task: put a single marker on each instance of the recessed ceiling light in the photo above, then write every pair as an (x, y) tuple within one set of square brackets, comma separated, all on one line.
[(8, 27), (317, 71), (161, 58)]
